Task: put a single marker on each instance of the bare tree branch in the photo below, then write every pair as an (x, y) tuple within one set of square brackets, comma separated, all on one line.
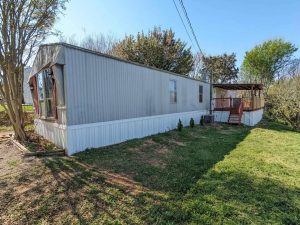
[(24, 24)]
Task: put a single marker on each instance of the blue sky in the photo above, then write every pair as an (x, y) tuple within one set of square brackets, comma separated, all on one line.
[(220, 25)]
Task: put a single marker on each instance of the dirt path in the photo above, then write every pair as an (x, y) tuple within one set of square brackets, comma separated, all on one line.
[(11, 159)]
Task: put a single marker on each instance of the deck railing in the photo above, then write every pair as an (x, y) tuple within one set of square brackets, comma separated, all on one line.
[(249, 103)]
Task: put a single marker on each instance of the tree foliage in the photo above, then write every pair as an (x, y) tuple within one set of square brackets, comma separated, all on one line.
[(158, 48), (96, 42), (221, 68), (24, 24), (284, 101), (265, 61)]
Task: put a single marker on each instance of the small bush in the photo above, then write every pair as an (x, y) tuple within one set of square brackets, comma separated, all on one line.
[(202, 121), (179, 125), (192, 123)]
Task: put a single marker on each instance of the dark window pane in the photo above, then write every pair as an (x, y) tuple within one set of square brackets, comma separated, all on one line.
[(49, 108), (48, 86), (200, 93), (173, 91)]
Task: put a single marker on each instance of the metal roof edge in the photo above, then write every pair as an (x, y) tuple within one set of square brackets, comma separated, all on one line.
[(119, 59)]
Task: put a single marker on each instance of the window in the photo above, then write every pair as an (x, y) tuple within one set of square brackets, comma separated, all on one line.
[(45, 93), (41, 98), (200, 93), (173, 91)]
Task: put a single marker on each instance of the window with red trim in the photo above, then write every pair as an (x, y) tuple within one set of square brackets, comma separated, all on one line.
[(46, 88)]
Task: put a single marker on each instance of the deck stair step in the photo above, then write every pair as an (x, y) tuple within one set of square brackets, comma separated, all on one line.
[(234, 118)]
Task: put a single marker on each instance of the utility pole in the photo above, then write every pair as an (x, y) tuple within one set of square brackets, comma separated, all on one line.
[(211, 93)]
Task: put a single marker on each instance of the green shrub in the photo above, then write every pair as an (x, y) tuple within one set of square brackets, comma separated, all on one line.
[(202, 121), (192, 123), (179, 125)]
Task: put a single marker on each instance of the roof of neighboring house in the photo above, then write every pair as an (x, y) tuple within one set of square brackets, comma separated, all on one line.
[(239, 86)]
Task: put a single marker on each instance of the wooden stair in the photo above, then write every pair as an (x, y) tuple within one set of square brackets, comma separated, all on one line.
[(235, 116)]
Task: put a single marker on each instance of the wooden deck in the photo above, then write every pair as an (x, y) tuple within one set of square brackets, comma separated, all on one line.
[(249, 103)]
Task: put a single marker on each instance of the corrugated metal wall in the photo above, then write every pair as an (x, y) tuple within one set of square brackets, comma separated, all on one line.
[(53, 132), (102, 89), (81, 137), (249, 118)]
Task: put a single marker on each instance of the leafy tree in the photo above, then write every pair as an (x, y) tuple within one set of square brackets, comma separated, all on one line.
[(284, 101), (221, 67), (159, 48), (24, 24), (265, 61)]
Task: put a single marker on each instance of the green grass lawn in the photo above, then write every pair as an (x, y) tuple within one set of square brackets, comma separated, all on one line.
[(204, 175), (26, 108)]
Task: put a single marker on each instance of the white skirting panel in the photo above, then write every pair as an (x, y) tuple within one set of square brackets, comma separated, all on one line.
[(81, 137), (53, 132), (252, 118), (249, 118), (221, 116)]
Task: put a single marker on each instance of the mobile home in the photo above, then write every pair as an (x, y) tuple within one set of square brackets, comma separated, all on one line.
[(85, 99)]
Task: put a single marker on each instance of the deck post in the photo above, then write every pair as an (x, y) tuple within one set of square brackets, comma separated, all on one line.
[(252, 103), (210, 94)]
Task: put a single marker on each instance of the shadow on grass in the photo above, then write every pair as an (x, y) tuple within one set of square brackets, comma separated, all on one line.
[(169, 162), (269, 124), (170, 178), (137, 182)]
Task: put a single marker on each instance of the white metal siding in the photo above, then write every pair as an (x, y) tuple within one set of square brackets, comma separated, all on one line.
[(249, 118), (56, 133), (81, 137), (103, 89)]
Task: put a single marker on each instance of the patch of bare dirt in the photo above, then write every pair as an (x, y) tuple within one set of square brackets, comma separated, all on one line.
[(148, 142), (124, 181), (156, 163), (163, 150), (5, 135), (11, 159), (178, 143), (153, 153)]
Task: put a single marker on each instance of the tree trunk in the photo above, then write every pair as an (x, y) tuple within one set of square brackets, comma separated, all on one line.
[(18, 121), (13, 95)]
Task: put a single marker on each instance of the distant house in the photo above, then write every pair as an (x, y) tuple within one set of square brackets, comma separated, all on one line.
[(27, 97), (84, 99), (26, 88)]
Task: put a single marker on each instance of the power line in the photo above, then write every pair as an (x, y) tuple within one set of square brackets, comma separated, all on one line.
[(183, 24), (196, 40), (190, 25)]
